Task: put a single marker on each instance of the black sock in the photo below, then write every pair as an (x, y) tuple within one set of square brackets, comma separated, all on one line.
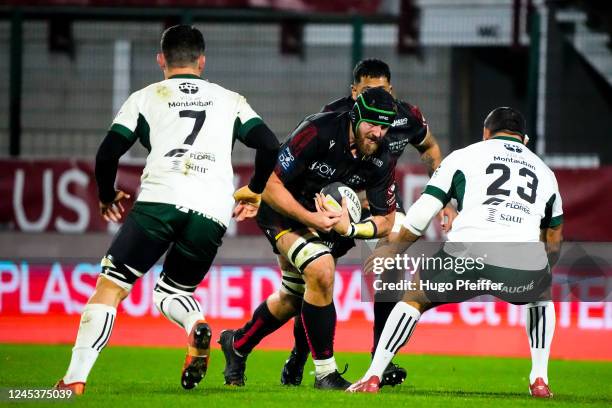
[(382, 310), (299, 334), (261, 324), (320, 327)]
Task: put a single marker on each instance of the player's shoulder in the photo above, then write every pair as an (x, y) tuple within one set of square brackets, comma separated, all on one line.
[(409, 112), (339, 105)]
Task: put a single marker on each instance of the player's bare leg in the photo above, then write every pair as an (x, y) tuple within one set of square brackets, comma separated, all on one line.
[(96, 325)]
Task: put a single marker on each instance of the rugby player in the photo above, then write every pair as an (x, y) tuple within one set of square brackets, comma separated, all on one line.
[(408, 128), (188, 125), (348, 147), (505, 194)]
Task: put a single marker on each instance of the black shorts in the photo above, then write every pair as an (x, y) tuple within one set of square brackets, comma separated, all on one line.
[(150, 229), (441, 285), (274, 225)]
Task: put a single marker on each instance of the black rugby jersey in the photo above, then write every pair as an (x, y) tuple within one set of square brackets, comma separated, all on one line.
[(317, 153), (409, 126)]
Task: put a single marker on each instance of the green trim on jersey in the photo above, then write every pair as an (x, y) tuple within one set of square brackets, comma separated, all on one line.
[(142, 131), (549, 221), (437, 193), (190, 76), (556, 221), (241, 130), (457, 191), (508, 138), (123, 131)]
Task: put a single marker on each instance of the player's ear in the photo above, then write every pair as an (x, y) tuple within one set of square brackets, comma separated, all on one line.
[(201, 63), (161, 61), (486, 133), (354, 91)]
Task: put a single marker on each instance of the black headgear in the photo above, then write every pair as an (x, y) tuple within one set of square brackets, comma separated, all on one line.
[(374, 105)]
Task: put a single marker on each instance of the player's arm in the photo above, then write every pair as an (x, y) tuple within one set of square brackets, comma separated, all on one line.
[(552, 238), (375, 226), (431, 157), (381, 199), (248, 197), (250, 129), (551, 226), (293, 158), (281, 200), (430, 152), (117, 142), (436, 195)]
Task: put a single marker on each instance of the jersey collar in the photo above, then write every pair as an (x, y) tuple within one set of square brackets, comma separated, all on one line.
[(508, 138), (191, 76)]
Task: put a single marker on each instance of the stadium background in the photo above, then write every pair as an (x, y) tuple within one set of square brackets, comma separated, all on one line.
[(66, 66)]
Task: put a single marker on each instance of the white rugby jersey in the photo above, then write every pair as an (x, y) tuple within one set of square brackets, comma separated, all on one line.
[(504, 192), (189, 126)]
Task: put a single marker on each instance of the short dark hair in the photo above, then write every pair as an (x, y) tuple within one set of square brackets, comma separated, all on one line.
[(506, 119), (371, 67), (182, 45)]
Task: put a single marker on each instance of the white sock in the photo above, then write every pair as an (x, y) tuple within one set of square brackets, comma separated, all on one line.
[(94, 331), (398, 329), (181, 309), (324, 367), (540, 325)]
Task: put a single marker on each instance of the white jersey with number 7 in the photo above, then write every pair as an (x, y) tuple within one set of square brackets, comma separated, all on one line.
[(189, 126)]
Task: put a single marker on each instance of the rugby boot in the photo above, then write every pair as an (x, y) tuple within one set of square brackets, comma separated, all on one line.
[(332, 381), (78, 388), (293, 370), (539, 389), (235, 365), (369, 385), (198, 354), (393, 375)]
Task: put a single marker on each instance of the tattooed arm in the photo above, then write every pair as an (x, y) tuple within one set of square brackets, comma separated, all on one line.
[(431, 156)]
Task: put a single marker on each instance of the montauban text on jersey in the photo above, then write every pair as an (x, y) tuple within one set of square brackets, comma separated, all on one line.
[(189, 103)]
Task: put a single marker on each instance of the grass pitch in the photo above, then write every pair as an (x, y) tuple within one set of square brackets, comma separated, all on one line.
[(149, 377)]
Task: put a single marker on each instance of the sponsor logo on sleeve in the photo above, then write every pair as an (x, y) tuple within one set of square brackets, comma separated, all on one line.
[(285, 158)]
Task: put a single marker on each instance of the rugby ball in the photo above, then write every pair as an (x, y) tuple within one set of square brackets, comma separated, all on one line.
[(333, 194)]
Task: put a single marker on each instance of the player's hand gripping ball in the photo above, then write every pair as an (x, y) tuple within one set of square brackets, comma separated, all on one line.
[(333, 194)]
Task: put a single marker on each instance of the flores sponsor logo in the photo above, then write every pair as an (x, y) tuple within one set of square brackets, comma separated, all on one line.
[(286, 158), (202, 156), (323, 169), (518, 206), (355, 209), (188, 88)]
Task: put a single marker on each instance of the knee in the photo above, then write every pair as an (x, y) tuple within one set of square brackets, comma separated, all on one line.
[(108, 292), (320, 276)]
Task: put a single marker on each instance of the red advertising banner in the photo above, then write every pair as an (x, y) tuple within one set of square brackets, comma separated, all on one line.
[(40, 303), (60, 195)]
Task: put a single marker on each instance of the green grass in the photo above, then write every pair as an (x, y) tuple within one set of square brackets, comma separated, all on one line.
[(149, 377)]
